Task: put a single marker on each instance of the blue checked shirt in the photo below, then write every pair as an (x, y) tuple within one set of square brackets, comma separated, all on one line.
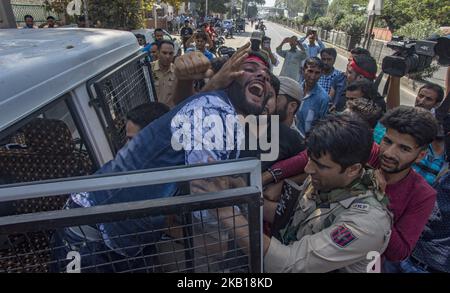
[(430, 166), (336, 79)]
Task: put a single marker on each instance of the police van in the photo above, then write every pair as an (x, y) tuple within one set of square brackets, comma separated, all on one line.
[(64, 95)]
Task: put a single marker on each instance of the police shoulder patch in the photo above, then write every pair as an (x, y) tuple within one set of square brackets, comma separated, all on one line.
[(360, 207), (342, 236)]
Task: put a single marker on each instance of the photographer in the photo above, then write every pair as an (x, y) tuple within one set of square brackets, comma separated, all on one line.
[(265, 48), (293, 58), (311, 44)]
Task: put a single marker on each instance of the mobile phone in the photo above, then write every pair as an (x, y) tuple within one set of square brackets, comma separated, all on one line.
[(256, 41)]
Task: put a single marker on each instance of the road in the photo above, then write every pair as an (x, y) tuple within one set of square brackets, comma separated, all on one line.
[(277, 33)]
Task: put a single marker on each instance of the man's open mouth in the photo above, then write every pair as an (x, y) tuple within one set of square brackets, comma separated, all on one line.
[(257, 89)]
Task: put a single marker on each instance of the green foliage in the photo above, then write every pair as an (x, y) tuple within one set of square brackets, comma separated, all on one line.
[(419, 29), (114, 14), (352, 24), (217, 6), (325, 23), (398, 13), (252, 11)]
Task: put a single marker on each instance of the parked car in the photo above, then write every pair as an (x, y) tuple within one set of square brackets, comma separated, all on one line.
[(149, 35)]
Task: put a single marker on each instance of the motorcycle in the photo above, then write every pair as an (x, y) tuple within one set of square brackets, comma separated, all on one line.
[(218, 43), (228, 32)]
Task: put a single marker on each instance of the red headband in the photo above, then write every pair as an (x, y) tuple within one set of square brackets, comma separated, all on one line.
[(361, 71), (256, 59)]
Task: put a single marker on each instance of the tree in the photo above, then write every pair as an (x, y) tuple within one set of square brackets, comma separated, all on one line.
[(293, 6), (325, 23), (217, 6), (114, 14), (252, 11), (353, 25), (398, 13), (175, 3), (419, 29)]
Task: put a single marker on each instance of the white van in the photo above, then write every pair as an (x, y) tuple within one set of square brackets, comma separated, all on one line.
[(64, 95)]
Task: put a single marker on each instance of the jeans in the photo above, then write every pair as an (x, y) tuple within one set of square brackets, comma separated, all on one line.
[(95, 256), (406, 266)]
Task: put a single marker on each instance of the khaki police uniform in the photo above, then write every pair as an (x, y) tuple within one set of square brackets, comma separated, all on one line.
[(333, 231), (164, 83)]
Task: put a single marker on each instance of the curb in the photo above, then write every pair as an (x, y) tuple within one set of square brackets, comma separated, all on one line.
[(411, 84)]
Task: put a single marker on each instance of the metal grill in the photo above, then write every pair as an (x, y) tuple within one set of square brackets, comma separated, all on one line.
[(38, 12), (191, 238), (117, 92)]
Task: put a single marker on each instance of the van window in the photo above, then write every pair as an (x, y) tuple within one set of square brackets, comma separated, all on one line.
[(119, 90), (48, 146)]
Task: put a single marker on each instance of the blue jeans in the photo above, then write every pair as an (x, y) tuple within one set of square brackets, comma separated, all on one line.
[(96, 257), (406, 266)]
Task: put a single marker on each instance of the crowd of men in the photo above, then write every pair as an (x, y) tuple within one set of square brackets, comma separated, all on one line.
[(372, 174)]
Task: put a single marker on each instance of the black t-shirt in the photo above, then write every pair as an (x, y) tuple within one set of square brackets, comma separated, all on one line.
[(186, 32), (290, 144)]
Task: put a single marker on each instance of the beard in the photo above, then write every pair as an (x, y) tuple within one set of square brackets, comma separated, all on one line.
[(239, 99), (282, 114), (397, 166)]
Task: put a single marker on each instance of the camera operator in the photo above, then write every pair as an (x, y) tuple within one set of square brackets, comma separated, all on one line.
[(311, 44)]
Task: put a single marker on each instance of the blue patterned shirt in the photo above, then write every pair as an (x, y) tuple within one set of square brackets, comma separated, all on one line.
[(207, 54), (336, 79), (430, 166), (221, 135), (379, 132)]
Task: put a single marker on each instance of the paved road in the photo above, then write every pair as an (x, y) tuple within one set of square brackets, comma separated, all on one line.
[(277, 33)]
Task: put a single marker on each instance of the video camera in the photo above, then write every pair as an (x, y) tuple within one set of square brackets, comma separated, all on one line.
[(414, 55)]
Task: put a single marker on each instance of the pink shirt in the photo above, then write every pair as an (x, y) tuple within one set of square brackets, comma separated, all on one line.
[(411, 201)]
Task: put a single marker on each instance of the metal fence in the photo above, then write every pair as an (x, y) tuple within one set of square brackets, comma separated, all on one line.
[(190, 237), (38, 12), (116, 92)]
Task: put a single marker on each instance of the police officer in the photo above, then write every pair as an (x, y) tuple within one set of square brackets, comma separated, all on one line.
[(340, 215)]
